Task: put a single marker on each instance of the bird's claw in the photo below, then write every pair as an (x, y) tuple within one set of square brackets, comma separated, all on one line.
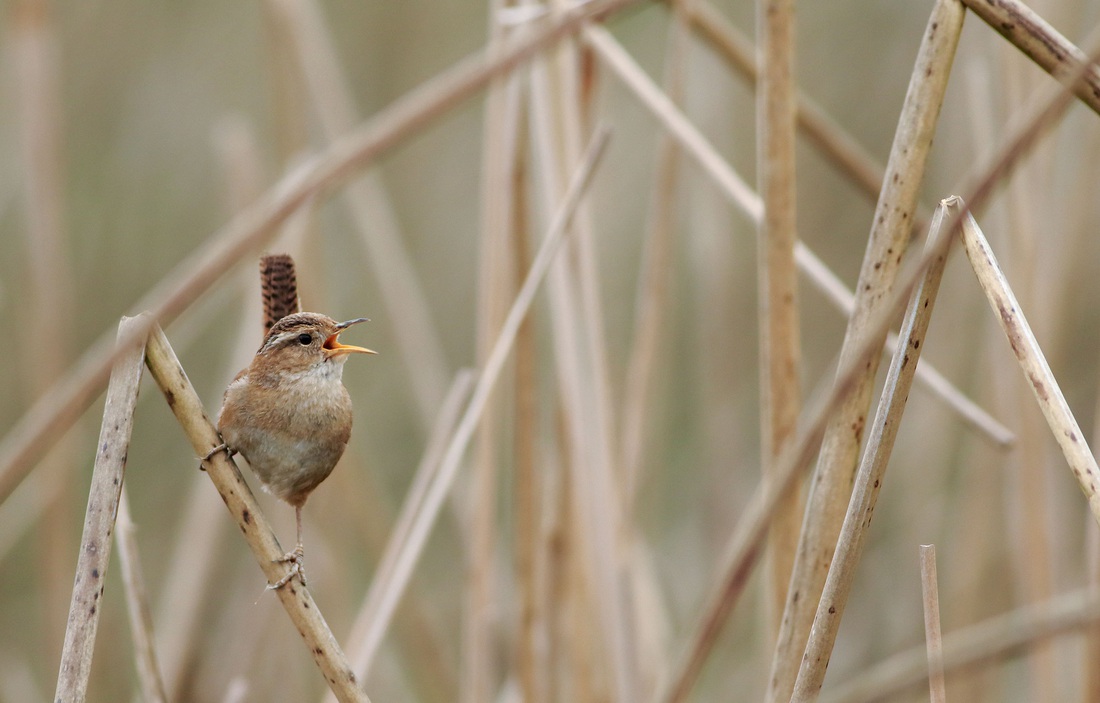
[(223, 447), (297, 559)]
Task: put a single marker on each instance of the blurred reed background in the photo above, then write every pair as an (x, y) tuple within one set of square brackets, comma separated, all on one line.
[(587, 522)]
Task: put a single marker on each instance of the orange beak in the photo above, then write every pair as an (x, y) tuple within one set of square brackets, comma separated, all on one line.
[(332, 344)]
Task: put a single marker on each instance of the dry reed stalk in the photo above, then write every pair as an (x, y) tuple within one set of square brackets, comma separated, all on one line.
[(370, 207), (651, 309), (647, 357), (733, 187), (561, 102), (59, 408), (887, 242), (505, 176), (1059, 416), (932, 636), (777, 274), (99, 520), (223, 472), (495, 290), (987, 642), (533, 668), (571, 636), (137, 606), (872, 471), (378, 606), (423, 517), (188, 583), (46, 299), (743, 547), (1040, 42)]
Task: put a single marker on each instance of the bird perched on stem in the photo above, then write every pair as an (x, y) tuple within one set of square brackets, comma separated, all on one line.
[(288, 413)]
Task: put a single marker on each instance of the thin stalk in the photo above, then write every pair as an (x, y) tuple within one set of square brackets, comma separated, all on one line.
[(649, 356), (495, 289), (580, 351), (533, 668), (46, 300), (872, 471), (1040, 42), (103, 496), (777, 235), (137, 606), (932, 636), (653, 288), (1047, 392), (190, 580), (888, 240)]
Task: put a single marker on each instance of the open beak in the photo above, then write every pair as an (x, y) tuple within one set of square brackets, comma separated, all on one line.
[(332, 344)]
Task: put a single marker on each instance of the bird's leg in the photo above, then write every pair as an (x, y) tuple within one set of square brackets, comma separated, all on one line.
[(296, 557)]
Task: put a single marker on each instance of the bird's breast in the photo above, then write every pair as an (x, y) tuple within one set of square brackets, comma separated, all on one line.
[(292, 433)]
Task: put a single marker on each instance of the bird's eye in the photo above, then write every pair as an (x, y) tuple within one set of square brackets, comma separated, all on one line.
[(305, 339)]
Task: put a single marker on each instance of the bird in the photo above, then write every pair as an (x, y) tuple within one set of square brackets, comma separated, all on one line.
[(288, 413)]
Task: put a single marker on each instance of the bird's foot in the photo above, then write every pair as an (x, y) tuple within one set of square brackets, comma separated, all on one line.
[(223, 447), (297, 560)]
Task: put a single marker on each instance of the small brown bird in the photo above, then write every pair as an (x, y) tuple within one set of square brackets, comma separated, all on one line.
[(289, 414)]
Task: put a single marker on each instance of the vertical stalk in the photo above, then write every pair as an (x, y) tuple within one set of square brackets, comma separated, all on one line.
[(648, 358), (137, 606), (658, 262), (48, 300), (933, 640), (780, 357), (533, 555), (580, 352), (494, 293), (99, 520)]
